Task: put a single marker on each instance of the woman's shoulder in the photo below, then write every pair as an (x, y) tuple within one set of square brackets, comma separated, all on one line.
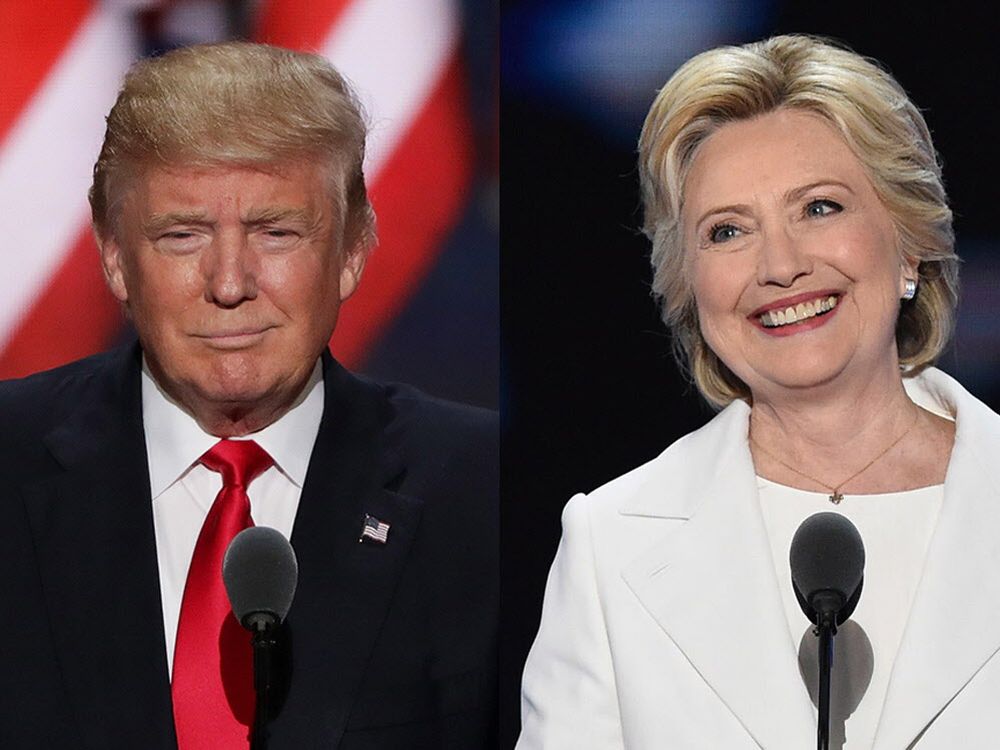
[(665, 486), (941, 394)]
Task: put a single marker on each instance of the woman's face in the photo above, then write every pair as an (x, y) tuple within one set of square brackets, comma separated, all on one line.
[(791, 256)]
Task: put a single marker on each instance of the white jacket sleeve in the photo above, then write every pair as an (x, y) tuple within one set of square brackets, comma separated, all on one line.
[(568, 698)]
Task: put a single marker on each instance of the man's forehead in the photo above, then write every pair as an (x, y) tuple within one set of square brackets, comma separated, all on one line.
[(278, 191), (180, 173)]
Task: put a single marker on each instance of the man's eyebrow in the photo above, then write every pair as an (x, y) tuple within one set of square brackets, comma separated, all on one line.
[(272, 215), (159, 222)]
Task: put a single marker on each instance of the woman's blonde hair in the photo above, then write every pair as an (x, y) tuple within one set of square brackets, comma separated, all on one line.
[(241, 104), (879, 123)]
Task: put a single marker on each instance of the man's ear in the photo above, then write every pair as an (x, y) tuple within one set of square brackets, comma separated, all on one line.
[(112, 265), (350, 274)]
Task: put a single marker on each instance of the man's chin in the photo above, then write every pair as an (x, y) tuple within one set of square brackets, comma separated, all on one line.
[(235, 386), (231, 411), (247, 392), (225, 396)]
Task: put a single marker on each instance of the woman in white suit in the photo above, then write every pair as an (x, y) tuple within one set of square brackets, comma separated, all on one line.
[(803, 254)]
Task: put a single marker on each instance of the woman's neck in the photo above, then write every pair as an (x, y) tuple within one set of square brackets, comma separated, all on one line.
[(818, 439), (841, 421)]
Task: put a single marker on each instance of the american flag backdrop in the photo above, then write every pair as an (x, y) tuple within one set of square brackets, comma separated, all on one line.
[(63, 62)]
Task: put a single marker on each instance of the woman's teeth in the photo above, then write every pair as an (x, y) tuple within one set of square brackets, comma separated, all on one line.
[(802, 311)]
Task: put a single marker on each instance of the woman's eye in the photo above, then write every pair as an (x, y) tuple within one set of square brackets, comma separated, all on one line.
[(823, 207), (723, 232)]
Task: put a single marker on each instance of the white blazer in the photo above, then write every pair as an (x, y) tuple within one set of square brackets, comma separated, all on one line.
[(663, 625)]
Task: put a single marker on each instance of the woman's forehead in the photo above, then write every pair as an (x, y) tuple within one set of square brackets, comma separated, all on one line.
[(769, 156)]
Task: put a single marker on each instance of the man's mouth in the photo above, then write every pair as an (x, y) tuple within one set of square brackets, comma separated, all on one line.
[(797, 313), (235, 338)]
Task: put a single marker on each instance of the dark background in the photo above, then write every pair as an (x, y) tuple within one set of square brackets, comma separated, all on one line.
[(589, 387)]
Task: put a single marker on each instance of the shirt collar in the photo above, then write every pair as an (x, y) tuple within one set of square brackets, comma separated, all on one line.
[(175, 441)]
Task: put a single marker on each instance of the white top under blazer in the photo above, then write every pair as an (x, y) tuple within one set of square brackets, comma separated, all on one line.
[(896, 528)]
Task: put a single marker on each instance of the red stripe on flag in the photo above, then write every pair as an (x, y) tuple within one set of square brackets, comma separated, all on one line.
[(74, 317), (417, 198), (298, 24), (32, 37)]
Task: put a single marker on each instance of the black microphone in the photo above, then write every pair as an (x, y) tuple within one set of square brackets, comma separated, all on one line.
[(260, 573), (828, 563)]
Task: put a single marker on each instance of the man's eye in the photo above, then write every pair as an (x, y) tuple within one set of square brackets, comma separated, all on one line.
[(823, 207), (723, 232), (279, 233), (179, 242), (276, 238)]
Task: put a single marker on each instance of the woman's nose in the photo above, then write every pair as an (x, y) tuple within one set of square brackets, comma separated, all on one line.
[(782, 259)]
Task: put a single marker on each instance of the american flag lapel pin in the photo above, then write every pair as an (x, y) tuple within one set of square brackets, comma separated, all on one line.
[(374, 530)]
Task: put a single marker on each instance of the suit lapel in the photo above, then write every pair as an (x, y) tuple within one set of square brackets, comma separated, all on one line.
[(952, 627), (345, 586), (712, 588), (93, 533)]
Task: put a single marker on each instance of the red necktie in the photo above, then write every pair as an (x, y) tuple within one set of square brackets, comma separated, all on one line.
[(212, 683)]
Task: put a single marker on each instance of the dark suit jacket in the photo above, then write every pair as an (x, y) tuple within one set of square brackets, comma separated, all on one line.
[(388, 646)]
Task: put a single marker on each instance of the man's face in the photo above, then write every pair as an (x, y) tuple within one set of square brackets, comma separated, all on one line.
[(233, 278)]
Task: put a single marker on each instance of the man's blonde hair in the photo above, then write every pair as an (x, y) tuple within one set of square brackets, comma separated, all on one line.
[(236, 104)]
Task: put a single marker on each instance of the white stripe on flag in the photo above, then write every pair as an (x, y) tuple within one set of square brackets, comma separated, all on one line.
[(393, 53), (46, 161)]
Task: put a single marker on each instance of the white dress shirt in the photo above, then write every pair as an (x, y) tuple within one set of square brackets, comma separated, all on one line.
[(183, 490)]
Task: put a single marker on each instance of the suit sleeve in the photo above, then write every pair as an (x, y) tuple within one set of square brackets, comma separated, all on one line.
[(568, 697)]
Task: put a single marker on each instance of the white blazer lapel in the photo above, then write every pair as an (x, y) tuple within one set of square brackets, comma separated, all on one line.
[(953, 626), (712, 588)]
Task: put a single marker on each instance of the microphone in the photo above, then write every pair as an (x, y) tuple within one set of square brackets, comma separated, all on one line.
[(260, 573), (828, 562), (827, 559)]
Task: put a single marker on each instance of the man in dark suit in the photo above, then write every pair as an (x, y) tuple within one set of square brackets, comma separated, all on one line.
[(230, 208)]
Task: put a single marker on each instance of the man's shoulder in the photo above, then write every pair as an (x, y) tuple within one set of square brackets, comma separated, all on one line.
[(414, 408), (77, 402), (446, 434), (67, 387), (442, 443), (407, 414)]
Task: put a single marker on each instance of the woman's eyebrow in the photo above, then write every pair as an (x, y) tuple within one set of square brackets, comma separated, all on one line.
[(733, 208), (797, 193)]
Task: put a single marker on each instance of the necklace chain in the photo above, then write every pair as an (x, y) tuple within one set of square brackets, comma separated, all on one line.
[(835, 494)]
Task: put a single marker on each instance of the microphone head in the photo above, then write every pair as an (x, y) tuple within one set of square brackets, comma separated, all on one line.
[(260, 573), (827, 560)]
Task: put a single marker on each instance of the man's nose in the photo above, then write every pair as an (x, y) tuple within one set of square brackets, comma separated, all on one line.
[(783, 259), (230, 270)]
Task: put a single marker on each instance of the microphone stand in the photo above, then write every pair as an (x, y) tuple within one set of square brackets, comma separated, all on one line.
[(263, 643), (825, 664), (827, 604)]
